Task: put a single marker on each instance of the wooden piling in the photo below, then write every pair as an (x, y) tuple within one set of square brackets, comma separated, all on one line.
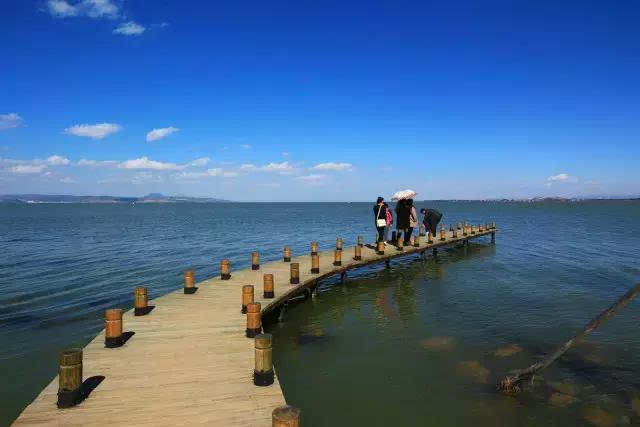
[(314, 248), (70, 378), (295, 273), (416, 242), (189, 282), (287, 254), (430, 238), (254, 320), (357, 253), (263, 372), (459, 227), (380, 248), (140, 301), (360, 241), (225, 269), (337, 258), (255, 261), (400, 243), (267, 286), (465, 229), (339, 244), (113, 328), (247, 297), (493, 225), (315, 264), (442, 233), (286, 416), (472, 230), (455, 233), (450, 227)]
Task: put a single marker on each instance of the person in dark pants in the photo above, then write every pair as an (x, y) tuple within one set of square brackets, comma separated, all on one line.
[(431, 220), (380, 218), (403, 213)]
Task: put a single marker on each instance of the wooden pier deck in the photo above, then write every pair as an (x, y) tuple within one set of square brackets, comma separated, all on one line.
[(189, 361)]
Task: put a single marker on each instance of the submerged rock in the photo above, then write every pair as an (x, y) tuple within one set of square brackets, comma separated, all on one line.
[(598, 417), (507, 351), (565, 388), (438, 343), (561, 399), (635, 405), (473, 370)]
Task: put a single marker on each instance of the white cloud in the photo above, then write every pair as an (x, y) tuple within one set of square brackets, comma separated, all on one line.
[(10, 121), (97, 131), (283, 168), (160, 133), (28, 169), (90, 8), (96, 163), (67, 180), (561, 177), (245, 146), (248, 167), (129, 29), (333, 166), (146, 163), (203, 161), (56, 160), (313, 179)]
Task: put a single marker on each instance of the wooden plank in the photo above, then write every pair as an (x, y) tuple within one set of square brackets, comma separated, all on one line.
[(189, 361)]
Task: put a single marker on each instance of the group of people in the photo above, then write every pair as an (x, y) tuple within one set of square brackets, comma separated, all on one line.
[(406, 219)]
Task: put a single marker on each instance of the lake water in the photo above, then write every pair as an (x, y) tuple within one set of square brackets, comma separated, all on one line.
[(416, 344)]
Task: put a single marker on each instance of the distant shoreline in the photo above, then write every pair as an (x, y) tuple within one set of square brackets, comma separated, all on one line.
[(160, 199)]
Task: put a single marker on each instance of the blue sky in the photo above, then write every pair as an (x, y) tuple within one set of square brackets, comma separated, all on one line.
[(320, 100)]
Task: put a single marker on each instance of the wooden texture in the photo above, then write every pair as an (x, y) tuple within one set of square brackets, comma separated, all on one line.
[(189, 362)]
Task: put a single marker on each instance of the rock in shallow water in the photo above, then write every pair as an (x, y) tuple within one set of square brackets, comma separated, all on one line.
[(438, 343), (507, 351), (473, 370)]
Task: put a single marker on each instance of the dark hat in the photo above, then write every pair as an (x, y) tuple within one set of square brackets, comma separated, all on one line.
[(380, 199)]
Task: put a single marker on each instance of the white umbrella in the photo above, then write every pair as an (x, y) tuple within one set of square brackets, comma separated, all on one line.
[(404, 194)]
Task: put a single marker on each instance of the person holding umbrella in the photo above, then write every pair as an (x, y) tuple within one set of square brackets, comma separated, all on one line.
[(403, 213)]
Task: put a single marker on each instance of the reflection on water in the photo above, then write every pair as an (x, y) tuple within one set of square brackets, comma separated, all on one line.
[(420, 343)]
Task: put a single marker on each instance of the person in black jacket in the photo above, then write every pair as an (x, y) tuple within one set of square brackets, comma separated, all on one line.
[(403, 212), (431, 219), (380, 216)]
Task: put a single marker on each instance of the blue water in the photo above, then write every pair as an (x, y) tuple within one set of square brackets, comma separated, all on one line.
[(406, 345)]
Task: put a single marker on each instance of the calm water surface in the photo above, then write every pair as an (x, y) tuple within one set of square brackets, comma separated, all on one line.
[(412, 345)]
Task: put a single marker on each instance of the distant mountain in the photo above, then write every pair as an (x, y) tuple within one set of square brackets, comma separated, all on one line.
[(149, 198)]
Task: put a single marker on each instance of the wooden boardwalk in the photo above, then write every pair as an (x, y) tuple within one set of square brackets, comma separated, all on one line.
[(189, 361)]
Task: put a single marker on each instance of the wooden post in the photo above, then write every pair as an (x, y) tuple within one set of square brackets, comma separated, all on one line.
[(287, 254), (140, 301), (247, 297), (267, 286), (337, 257), (263, 371), (254, 321), (472, 230), (357, 253), (189, 282), (465, 229), (380, 248), (480, 228), (455, 233), (295, 273), (315, 264), (339, 244), (360, 241), (113, 328), (423, 230), (442, 233), (493, 225), (314, 248), (450, 227), (400, 244), (416, 241), (459, 226), (255, 261), (225, 269), (285, 416), (70, 378)]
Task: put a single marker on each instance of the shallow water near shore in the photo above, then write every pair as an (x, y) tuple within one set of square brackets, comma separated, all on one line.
[(422, 343)]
